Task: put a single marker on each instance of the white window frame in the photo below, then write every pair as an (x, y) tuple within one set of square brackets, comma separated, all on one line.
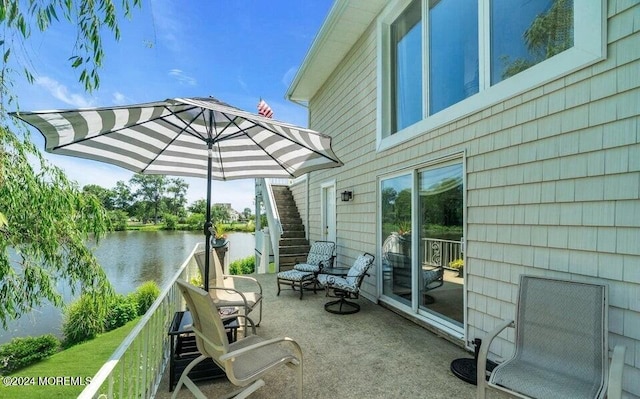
[(589, 47)]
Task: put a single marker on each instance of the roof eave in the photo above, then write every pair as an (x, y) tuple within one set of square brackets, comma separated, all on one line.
[(346, 22)]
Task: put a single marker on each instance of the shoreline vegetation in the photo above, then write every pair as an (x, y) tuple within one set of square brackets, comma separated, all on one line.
[(79, 356), (248, 227)]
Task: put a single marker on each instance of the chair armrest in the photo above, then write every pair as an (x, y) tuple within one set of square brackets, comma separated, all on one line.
[(234, 276), (244, 298), (614, 389), (481, 365), (242, 351), (248, 319)]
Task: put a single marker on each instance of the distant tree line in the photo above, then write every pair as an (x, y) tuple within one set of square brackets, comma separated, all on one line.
[(155, 198)]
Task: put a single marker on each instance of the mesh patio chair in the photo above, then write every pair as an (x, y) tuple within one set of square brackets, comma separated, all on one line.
[(561, 348), (347, 287), (305, 273), (222, 287), (244, 361)]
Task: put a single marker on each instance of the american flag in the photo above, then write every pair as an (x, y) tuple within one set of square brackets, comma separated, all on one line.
[(264, 109)]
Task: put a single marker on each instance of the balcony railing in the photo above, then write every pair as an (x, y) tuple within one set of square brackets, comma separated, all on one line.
[(136, 367), (440, 253)]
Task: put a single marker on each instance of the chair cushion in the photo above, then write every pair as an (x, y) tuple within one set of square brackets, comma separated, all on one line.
[(305, 267), (359, 268), (338, 283), (295, 275)]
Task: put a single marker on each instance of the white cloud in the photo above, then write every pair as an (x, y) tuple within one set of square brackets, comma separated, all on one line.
[(120, 99), (60, 92), (179, 75)]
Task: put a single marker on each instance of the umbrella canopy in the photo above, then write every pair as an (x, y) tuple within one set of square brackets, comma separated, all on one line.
[(200, 137)]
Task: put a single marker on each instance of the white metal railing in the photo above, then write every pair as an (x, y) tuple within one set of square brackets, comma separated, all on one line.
[(136, 367), (273, 217), (438, 252)]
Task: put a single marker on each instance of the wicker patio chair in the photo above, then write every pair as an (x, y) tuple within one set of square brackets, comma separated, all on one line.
[(244, 361), (222, 287), (561, 348)]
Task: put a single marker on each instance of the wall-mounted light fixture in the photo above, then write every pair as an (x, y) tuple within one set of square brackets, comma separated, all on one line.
[(347, 196)]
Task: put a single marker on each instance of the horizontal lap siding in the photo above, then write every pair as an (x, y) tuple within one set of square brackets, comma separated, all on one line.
[(552, 183)]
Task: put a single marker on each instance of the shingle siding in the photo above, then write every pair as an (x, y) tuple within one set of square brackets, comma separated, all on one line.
[(552, 181)]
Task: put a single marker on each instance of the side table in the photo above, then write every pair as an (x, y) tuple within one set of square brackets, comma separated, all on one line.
[(184, 349)]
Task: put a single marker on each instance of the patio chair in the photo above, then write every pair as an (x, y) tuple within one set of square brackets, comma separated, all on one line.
[(561, 348), (432, 277), (244, 361), (222, 287), (305, 274), (347, 287)]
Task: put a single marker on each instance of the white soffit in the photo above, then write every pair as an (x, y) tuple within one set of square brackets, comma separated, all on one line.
[(346, 22)]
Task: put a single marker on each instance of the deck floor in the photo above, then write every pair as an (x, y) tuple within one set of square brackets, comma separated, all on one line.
[(371, 354)]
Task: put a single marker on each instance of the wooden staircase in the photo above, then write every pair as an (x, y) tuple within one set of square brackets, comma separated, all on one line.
[(293, 245)]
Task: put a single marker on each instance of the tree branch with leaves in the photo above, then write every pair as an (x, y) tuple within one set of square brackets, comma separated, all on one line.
[(46, 222)]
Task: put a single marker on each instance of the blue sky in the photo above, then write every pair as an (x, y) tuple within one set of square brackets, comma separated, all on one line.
[(236, 51)]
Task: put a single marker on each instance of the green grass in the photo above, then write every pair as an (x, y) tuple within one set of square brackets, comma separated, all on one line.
[(77, 364)]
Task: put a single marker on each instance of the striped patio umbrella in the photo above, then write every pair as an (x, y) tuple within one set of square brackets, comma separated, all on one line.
[(200, 137)]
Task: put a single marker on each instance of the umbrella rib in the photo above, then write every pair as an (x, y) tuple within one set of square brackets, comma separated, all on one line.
[(259, 146), (185, 129), (287, 138)]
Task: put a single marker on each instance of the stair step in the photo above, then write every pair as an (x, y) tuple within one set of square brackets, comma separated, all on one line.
[(294, 249), (286, 241), (293, 234)]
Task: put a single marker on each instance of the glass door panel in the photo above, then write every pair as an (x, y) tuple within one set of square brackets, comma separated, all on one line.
[(396, 239), (440, 280)]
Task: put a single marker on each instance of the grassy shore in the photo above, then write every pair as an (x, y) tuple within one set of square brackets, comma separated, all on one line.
[(233, 227), (66, 373)]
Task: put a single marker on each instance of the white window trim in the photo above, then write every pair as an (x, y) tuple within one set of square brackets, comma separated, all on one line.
[(589, 47)]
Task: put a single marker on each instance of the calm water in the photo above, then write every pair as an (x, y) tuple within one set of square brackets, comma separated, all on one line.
[(130, 258)]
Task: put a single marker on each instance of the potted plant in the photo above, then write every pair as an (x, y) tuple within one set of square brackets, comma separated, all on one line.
[(459, 265), (219, 235)]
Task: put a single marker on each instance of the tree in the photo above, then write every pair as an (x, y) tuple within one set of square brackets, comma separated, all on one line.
[(122, 196), (48, 221), (45, 221), (150, 189), (198, 206), (178, 189), (105, 195), (220, 214)]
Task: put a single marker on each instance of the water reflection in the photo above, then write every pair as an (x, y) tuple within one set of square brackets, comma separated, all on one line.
[(129, 258)]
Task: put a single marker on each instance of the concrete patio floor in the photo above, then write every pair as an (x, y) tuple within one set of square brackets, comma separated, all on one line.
[(371, 354)]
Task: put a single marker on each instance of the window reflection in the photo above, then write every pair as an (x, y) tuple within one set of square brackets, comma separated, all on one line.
[(395, 198), (526, 32), (453, 53), (406, 37)]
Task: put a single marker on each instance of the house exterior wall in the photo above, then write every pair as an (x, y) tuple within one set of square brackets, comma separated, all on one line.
[(552, 182)]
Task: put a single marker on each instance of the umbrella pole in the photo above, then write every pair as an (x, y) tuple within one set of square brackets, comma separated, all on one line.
[(207, 223)]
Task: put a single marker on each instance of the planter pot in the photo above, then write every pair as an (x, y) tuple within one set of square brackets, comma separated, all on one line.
[(218, 242)]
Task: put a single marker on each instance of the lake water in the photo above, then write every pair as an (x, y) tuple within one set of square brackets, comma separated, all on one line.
[(129, 258)]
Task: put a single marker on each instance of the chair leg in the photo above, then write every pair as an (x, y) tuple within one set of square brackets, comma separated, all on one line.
[(185, 380), (245, 392)]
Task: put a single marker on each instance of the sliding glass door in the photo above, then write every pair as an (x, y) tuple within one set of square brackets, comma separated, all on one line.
[(440, 220), (421, 239), (395, 197)]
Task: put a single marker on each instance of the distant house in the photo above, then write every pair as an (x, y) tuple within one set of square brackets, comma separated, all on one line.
[(501, 136)]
